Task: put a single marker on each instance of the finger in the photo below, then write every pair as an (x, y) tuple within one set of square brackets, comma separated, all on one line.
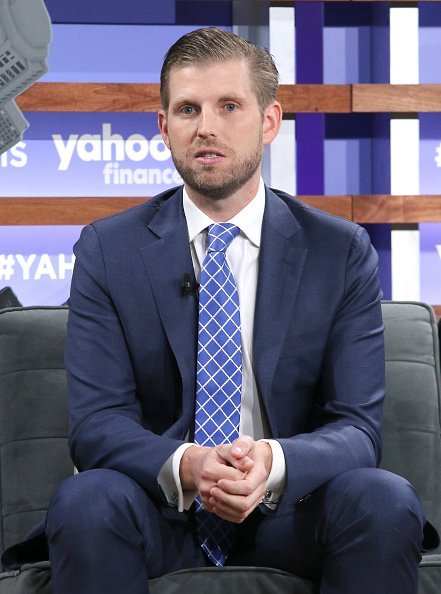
[(241, 490), (244, 464), (206, 484), (238, 512), (228, 513), (230, 516), (243, 487), (206, 504), (239, 460), (241, 502), (255, 479), (215, 472)]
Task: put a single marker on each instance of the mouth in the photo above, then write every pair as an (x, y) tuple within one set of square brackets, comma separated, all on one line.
[(209, 154), (209, 157)]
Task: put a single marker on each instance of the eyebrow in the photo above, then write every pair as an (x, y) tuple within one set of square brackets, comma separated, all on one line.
[(223, 99), (232, 97)]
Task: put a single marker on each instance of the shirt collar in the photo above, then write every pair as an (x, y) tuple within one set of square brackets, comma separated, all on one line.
[(249, 219)]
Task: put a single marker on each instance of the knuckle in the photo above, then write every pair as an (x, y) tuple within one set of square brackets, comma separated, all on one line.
[(242, 517), (243, 506)]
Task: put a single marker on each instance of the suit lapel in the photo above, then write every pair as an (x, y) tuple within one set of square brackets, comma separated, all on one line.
[(281, 262), (166, 259)]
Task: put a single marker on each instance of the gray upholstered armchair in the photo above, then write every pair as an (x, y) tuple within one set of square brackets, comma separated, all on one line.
[(411, 427), (34, 455)]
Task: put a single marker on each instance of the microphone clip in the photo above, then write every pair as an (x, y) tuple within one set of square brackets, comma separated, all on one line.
[(188, 286)]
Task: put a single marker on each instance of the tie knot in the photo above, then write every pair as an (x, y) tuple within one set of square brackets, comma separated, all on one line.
[(220, 235)]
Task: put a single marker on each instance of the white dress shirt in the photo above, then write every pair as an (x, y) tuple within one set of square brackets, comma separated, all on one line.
[(243, 258)]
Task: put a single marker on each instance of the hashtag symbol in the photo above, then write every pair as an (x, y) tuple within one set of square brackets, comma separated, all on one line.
[(438, 156), (7, 264)]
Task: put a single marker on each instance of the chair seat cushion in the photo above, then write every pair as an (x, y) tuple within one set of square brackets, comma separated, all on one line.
[(259, 580), (430, 574), (33, 578)]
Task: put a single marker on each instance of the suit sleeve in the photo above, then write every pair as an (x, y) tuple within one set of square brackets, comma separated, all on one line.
[(350, 392), (106, 429)]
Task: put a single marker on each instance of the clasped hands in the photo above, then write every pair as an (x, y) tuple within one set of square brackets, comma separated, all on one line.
[(230, 478)]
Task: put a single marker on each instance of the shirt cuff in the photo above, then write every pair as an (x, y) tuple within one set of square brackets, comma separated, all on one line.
[(170, 481), (275, 483)]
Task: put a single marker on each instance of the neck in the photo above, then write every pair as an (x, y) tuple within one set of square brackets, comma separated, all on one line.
[(222, 210)]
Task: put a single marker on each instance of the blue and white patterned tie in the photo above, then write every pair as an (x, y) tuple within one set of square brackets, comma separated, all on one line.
[(219, 374)]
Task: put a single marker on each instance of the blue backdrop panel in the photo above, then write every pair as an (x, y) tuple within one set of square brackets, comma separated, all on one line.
[(213, 12), (112, 11), (110, 53), (310, 128), (88, 154), (347, 43), (37, 262), (429, 43), (430, 153)]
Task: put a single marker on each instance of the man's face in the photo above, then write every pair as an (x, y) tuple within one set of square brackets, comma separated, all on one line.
[(214, 127)]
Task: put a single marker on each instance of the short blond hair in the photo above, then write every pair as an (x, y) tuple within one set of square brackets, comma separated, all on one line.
[(213, 45)]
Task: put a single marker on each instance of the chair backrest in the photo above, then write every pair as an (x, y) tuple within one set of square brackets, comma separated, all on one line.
[(8, 298), (33, 419), (411, 426)]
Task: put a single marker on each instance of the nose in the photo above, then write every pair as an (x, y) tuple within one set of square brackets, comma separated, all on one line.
[(207, 123)]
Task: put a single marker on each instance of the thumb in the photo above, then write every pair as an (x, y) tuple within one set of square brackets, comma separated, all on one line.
[(242, 447)]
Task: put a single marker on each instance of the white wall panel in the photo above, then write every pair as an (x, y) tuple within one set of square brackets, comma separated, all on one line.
[(282, 47)]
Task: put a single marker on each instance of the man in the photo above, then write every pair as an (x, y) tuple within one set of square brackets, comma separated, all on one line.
[(287, 477)]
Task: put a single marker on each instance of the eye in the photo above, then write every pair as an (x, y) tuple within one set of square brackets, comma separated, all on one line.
[(186, 110), (230, 107)]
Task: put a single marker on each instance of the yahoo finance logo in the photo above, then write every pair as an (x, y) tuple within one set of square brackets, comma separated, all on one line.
[(124, 159)]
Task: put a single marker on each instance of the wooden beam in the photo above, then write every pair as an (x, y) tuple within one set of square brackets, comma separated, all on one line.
[(396, 209), (60, 211), (91, 97), (372, 208), (396, 98), (336, 205), (315, 98)]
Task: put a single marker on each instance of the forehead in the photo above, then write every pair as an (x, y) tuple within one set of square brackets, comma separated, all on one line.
[(221, 78)]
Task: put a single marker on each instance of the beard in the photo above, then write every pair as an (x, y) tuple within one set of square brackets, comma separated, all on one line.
[(206, 181)]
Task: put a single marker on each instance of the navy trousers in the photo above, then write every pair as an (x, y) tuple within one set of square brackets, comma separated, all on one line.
[(360, 533)]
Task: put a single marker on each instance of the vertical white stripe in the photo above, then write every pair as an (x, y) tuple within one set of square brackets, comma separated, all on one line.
[(404, 132), (404, 45), (283, 148), (406, 265), (283, 159), (282, 41), (405, 149)]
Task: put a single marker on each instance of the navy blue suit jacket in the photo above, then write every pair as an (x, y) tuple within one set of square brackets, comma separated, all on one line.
[(318, 342)]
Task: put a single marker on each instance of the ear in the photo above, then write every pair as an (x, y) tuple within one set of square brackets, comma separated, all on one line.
[(163, 128), (272, 119)]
